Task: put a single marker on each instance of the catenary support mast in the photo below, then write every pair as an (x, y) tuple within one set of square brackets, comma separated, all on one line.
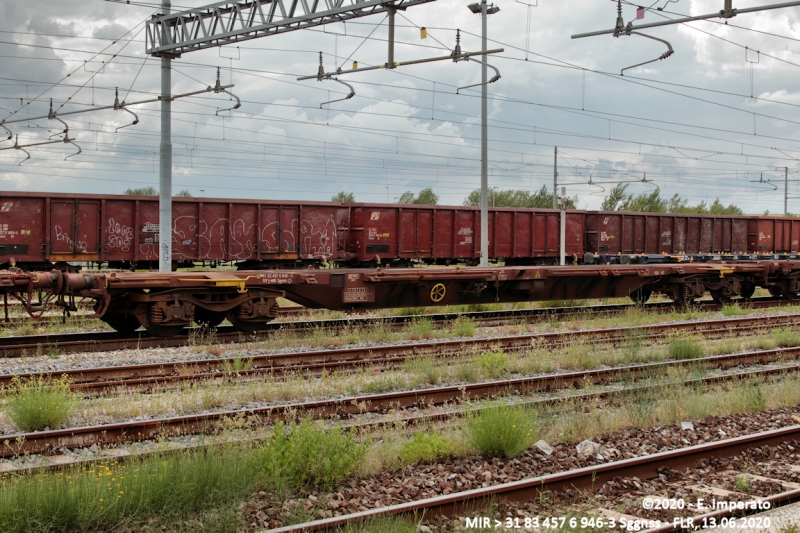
[(484, 147), (165, 161)]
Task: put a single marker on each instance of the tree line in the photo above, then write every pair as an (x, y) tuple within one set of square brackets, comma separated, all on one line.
[(618, 199)]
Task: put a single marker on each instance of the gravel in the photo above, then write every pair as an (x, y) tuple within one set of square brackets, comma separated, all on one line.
[(456, 475)]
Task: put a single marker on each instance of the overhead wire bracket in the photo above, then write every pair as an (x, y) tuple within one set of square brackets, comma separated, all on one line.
[(67, 140), (665, 55), (219, 88), (322, 75), (492, 80), (121, 106), (10, 135), (18, 147), (52, 116)]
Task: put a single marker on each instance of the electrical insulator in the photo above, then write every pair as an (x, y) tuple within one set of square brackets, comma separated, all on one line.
[(423, 33), (21, 102), (355, 65)]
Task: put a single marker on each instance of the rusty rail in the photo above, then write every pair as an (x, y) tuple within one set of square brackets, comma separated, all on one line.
[(109, 341), (589, 478), (52, 440), (154, 374)]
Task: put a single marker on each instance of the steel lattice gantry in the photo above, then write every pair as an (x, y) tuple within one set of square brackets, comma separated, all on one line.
[(229, 22)]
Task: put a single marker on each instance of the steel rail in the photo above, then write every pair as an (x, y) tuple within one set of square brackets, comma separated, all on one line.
[(109, 340), (156, 374), (589, 478), (76, 437)]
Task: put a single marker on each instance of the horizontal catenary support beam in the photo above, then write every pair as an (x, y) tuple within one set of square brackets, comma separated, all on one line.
[(719, 14), (459, 57), (229, 22)]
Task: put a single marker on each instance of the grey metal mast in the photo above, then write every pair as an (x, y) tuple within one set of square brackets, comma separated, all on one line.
[(484, 147), (555, 178), (165, 158)]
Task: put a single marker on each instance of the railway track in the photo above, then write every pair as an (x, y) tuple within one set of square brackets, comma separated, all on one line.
[(346, 407), (13, 321), (318, 361), (642, 473), (30, 345)]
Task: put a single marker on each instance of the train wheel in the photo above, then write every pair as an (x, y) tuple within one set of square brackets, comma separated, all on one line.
[(206, 318), (719, 297), (641, 295), (157, 328), (747, 290), (121, 323), (249, 326)]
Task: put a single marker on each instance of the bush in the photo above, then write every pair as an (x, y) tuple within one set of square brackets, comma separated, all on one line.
[(786, 338), (39, 402), (425, 368), (463, 327), (425, 448), (685, 349), (305, 455), (494, 364), (421, 328), (502, 431)]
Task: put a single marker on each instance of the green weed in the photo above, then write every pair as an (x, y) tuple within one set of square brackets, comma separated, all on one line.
[(305, 455), (743, 484), (494, 364), (237, 363), (425, 368), (421, 328), (504, 431), (425, 448), (463, 327), (384, 524), (733, 310), (786, 338), (103, 496), (39, 402), (685, 348)]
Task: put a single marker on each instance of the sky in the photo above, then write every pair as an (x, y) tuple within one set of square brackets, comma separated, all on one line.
[(718, 119)]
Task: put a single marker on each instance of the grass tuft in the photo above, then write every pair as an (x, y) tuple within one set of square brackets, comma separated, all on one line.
[(464, 327), (494, 364), (237, 363), (305, 455), (502, 431), (786, 338), (685, 348), (39, 402), (732, 310), (425, 448)]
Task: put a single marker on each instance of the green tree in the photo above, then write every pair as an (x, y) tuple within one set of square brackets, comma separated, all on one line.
[(718, 209), (144, 191), (541, 199), (406, 198), (183, 193), (644, 202), (619, 199), (344, 197), (425, 197), (615, 199)]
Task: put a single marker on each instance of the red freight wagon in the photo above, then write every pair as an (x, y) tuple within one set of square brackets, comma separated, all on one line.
[(611, 232), (774, 235), (380, 232), (38, 229)]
